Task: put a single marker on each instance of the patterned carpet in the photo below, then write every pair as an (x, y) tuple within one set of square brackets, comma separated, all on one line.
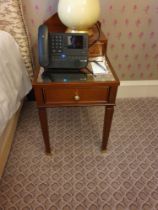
[(78, 176)]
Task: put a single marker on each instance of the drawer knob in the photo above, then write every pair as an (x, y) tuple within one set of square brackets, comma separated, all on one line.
[(77, 98)]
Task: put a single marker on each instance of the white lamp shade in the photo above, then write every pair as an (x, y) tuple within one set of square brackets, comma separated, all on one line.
[(78, 14)]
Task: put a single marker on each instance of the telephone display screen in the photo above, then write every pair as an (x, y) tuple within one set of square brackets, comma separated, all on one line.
[(75, 42)]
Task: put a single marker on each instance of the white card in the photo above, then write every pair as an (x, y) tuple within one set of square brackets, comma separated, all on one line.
[(99, 68)]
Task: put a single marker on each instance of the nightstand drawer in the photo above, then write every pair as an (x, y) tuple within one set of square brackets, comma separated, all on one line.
[(71, 95)]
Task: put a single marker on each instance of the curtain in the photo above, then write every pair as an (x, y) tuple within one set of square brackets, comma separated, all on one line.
[(12, 21)]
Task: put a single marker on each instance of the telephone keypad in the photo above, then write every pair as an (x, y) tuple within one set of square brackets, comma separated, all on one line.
[(57, 43)]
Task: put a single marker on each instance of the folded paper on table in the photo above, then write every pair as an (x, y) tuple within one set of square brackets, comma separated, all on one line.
[(99, 67)]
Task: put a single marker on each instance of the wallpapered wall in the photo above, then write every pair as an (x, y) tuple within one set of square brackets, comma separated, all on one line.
[(131, 29)]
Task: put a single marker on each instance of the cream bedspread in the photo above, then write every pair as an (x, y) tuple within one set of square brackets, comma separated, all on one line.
[(14, 80)]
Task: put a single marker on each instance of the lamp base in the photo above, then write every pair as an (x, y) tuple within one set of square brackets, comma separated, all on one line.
[(88, 31)]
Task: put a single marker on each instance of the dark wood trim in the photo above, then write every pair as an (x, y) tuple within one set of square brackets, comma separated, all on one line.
[(109, 110), (44, 127)]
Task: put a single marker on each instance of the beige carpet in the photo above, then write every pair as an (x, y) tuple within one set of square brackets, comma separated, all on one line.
[(78, 176)]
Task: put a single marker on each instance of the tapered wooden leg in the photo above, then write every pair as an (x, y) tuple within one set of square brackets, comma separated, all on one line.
[(109, 110), (44, 126)]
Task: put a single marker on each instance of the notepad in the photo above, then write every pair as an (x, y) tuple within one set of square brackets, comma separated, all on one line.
[(99, 67)]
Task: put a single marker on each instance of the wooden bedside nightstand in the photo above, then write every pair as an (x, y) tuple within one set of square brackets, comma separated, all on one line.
[(93, 90)]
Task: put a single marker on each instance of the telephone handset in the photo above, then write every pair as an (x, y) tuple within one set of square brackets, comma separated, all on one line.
[(43, 52), (62, 50)]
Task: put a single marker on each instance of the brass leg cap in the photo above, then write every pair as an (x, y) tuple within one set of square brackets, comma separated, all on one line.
[(103, 151), (48, 153)]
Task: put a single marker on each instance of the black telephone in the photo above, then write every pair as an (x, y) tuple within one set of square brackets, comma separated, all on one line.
[(62, 51)]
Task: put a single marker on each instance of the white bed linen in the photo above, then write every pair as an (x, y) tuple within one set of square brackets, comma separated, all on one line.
[(14, 80)]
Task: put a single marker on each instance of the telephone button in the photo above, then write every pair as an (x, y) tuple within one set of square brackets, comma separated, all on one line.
[(63, 56)]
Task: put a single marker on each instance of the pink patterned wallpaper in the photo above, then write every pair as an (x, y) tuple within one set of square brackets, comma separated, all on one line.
[(130, 26)]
